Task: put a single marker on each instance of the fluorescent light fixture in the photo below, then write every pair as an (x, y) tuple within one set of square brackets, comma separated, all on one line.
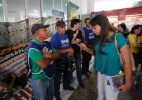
[(0, 4), (35, 11)]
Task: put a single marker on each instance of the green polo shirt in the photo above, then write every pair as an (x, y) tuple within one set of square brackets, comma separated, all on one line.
[(35, 56)]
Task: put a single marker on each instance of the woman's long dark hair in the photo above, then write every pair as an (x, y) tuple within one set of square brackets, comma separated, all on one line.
[(104, 23), (134, 28)]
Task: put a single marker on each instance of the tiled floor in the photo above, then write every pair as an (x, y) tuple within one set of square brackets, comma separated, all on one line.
[(65, 94), (90, 92), (87, 93)]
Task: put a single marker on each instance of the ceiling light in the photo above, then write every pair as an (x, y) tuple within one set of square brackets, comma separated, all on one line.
[(66, 4), (35, 11), (0, 4)]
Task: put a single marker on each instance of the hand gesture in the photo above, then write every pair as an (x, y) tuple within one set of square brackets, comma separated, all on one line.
[(78, 40), (82, 46), (124, 88), (70, 54), (71, 50), (55, 55), (46, 55)]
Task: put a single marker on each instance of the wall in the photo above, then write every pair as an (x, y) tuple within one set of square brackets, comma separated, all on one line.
[(83, 17), (82, 4), (90, 6), (86, 7), (15, 16)]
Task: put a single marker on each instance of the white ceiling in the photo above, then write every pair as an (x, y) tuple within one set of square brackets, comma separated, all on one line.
[(112, 4)]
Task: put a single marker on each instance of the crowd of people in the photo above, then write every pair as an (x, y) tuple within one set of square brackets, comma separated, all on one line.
[(134, 40), (47, 61)]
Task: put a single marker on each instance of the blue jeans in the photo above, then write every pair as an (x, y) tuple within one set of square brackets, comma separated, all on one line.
[(77, 58), (42, 89)]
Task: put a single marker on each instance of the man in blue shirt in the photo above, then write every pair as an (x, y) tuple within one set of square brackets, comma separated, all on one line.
[(60, 42), (89, 38)]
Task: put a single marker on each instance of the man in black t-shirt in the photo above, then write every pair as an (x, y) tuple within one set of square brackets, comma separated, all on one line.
[(75, 37)]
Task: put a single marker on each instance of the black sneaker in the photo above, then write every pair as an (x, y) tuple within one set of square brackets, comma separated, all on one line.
[(82, 85), (58, 97), (69, 88)]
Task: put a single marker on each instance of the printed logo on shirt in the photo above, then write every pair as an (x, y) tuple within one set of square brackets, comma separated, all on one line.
[(65, 43), (91, 35)]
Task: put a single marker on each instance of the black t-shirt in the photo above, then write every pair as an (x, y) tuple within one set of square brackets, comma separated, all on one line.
[(70, 34)]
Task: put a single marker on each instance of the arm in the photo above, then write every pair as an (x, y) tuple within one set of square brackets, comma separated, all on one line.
[(88, 50), (44, 63), (56, 53), (38, 58), (84, 40), (90, 46), (66, 50), (52, 56), (125, 54), (140, 39)]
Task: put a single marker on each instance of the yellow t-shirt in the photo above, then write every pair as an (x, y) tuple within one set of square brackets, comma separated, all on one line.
[(134, 42)]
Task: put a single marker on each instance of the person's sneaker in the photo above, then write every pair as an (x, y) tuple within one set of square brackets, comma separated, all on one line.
[(69, 88), (58, 97), (82, 85)]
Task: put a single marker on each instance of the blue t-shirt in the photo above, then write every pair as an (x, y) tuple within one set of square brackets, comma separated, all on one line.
[(107, 61), (89, 35), (60, 42)]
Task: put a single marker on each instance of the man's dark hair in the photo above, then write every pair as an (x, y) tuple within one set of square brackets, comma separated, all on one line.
[(60, 23), (74, 21), (87, 19)]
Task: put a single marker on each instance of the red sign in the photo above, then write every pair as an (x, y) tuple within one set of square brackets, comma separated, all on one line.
[(121, 14)]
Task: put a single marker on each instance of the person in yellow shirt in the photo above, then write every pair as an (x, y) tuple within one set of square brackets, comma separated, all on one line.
[(135, 42)]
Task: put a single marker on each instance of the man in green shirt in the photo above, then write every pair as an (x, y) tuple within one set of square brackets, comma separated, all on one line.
[(40, 64)]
